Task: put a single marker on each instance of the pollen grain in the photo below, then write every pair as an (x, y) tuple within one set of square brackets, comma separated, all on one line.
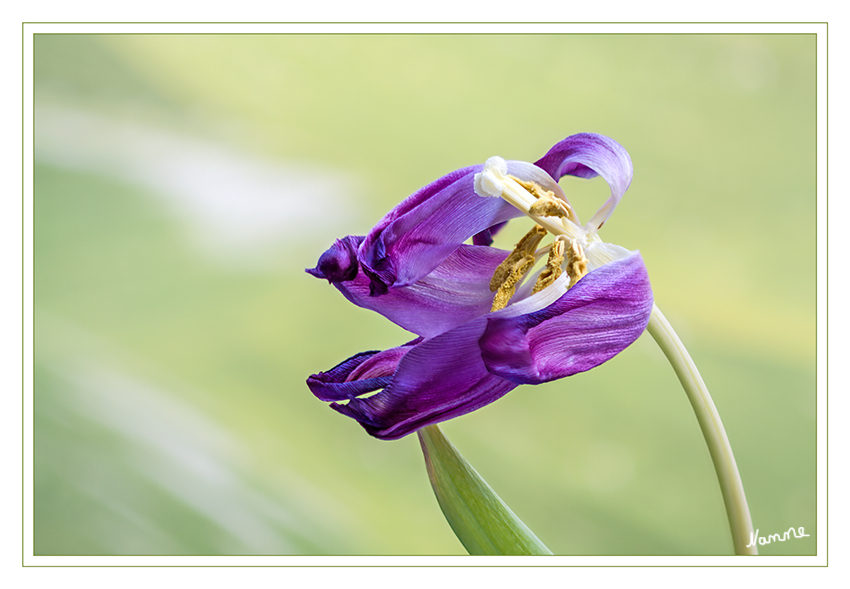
[(525, 246), (508, 286), (576, 263), (547, 204), (553, 267)]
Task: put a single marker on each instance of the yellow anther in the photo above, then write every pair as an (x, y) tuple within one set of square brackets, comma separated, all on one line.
[(525, 246), (533, 187), (547, 205), (576, 263), (553, 267), (508, 286)]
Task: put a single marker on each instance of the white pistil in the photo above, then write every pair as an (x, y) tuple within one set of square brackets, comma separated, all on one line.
[(494, 181), (586, 251)]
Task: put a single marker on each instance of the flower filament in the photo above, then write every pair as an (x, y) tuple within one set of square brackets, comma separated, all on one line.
[(552, 215), (521, 260)]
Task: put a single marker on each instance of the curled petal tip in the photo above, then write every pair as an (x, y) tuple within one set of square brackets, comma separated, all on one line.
[(587, 155), (339, 262)]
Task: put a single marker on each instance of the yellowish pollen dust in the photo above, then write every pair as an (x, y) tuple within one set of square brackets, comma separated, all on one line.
[(526, 246), (553, 267), (507, 289), (533, 187), (576, 263), (547, 205), (512, 270)]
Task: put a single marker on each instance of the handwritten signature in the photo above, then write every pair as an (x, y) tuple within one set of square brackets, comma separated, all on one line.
[(754, 536)]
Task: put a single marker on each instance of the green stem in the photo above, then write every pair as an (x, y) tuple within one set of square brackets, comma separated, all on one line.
[(712, 429)]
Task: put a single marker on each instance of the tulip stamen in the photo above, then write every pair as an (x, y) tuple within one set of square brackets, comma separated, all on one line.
[(507, 289), (514, 268), (547, 204), (494, 181), (553, 266), (525, 246), (550, 206), (576, 263)]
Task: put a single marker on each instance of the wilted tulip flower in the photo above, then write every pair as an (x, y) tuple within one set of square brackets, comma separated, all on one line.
[(487, 319)]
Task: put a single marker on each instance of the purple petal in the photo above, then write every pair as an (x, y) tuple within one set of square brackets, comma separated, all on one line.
[(339, 263), (332, 385), (439, 379), (587, 155), (418, 234), (455, 292), (592, 322), (362, 373), (486, 237)]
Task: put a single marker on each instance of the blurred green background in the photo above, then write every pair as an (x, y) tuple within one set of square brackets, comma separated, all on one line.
[(183, 183)]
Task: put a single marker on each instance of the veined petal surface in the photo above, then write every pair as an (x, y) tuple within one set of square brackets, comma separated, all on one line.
[(438, 379), (455, 292), (426, 227), (363, 373), (605, 312)]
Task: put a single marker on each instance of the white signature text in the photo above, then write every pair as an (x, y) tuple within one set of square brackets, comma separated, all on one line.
[(754, 536)]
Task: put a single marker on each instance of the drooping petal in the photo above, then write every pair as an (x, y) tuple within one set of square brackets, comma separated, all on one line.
[(455, 292), (421, 232), (332, 385), (362, 373), (540, 338), (592, 322), (587, 155), (438, 379)]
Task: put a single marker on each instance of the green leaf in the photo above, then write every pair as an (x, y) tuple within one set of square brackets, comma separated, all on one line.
[(479, 517)]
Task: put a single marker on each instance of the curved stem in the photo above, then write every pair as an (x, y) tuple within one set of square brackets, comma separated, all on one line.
[(712, 429)]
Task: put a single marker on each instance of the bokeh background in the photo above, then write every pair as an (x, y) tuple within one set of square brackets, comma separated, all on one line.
[(184, 182)]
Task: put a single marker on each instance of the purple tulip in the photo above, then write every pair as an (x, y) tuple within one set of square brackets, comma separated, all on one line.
[(415, 268)]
